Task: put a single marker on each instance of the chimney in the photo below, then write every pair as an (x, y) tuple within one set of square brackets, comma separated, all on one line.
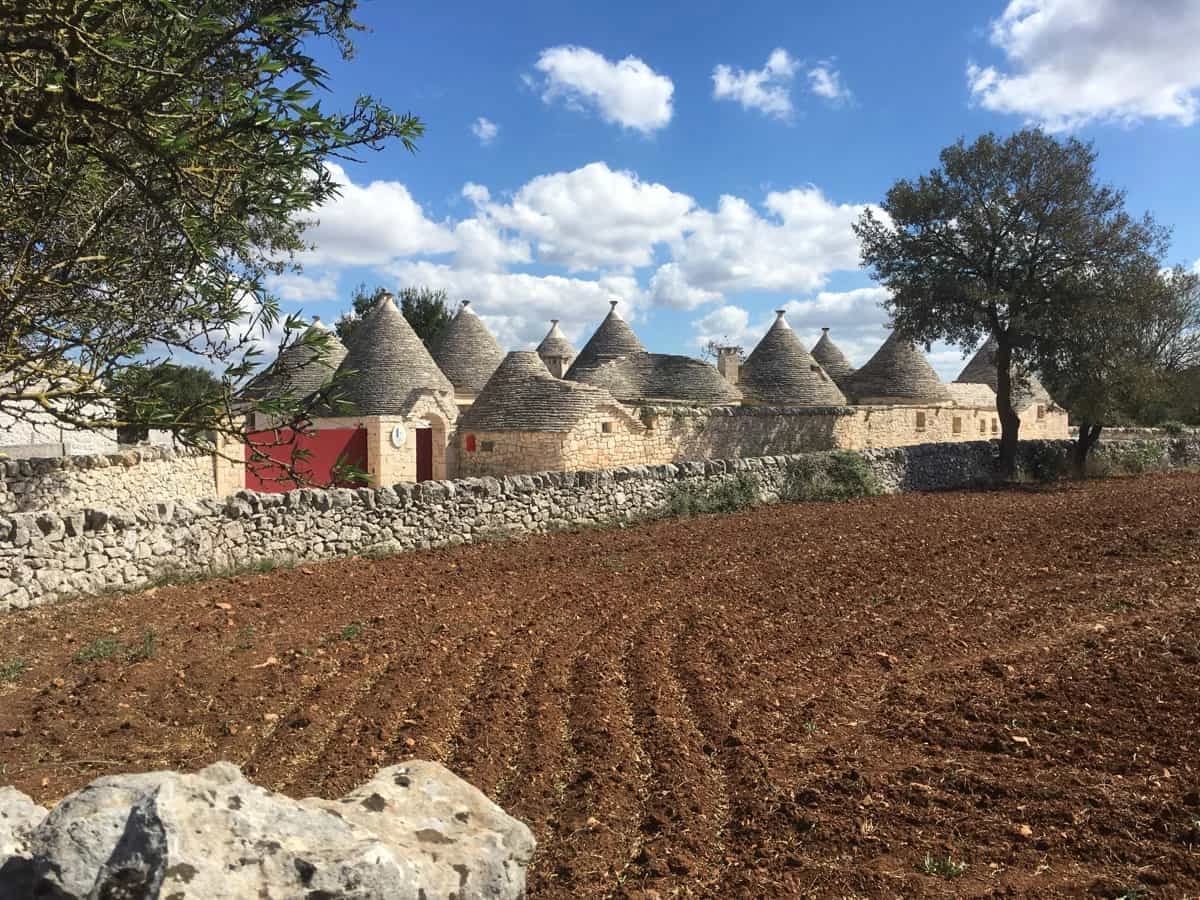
[(729, 363)]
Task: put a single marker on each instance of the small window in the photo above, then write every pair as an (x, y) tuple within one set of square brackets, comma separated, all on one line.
[(995, 425), (957, 425), (487, 446), (606, 427), (920, 421), (983, 426), (1041, 411), (470, 443)]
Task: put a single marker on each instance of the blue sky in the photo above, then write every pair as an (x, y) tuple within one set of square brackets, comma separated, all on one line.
[(702, 162)]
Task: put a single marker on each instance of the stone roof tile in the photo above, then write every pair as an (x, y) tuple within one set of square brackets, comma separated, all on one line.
[(522, 395), (466, 352), (831, 358), (780, 372), (897, 374), (385, 365)]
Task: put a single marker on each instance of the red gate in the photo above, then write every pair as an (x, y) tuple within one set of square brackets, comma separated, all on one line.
[(330, 457)]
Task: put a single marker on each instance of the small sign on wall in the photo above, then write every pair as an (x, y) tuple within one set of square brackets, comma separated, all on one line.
[(398, 436)]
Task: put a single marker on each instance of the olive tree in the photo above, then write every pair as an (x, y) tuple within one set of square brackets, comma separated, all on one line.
[(1001, 240), (159, 162), (1129, 341)]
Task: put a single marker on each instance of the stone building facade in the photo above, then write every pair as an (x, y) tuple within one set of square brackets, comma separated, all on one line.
[(614, 403)]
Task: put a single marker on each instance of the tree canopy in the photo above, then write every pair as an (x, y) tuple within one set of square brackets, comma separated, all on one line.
[(159, 162), (1129, 343), (1003, 239), (427, 310), (187, 390)]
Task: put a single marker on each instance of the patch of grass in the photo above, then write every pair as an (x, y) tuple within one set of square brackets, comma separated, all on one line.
[(739, 492), (109, 647), (840, 475), (11, 670), (143, 649), (351, 632), (100, 648), (244, 639), (944, 866)]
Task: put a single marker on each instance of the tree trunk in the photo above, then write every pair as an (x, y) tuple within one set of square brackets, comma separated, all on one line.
[(1010, 422), (1086, 440)]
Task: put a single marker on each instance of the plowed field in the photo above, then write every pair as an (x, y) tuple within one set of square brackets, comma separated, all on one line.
[(962, 694)]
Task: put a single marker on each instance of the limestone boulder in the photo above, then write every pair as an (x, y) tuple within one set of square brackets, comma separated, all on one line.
[(18, 817), (414, 831)]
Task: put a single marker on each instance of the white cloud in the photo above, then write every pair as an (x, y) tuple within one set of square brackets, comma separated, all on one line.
[(1196, 267), (1070, 62), (592, 217), (372, 224), (518, 306), (627, 93), (300, 288), (485, 129), (669, 287), (795, 247), (767, 89), (726, 326), (592, 233), (825, 81)]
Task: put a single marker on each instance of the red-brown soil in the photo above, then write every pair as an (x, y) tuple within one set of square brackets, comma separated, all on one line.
[(797, 700)]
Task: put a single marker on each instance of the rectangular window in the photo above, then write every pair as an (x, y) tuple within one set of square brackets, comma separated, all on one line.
[(995, 425), (957, 425), (920, 421), (1041, 411), (487, 446), (982, 426), (606, 427)]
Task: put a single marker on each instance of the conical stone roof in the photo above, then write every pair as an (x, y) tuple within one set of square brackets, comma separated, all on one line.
[(466, 352), (612, 339), (780, 372), (982, 370), (522, 395), (386, 365), (831, 358), (300, 369), (555, 344), (897, 374), (644, 376)]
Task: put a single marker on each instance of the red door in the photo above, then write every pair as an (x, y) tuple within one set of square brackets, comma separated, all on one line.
[(424, 454), (329, 457)]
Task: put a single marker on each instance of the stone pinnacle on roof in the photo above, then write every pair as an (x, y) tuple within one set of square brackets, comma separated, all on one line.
[(614, 338), (555, 343), (897, 374), (522, 395), (780, 372), (466, 352), (301, 368), (981, 369), (831, 358), (386, 364)]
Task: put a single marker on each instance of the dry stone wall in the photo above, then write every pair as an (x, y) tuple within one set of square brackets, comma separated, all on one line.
[(50, 555), (125, 480)]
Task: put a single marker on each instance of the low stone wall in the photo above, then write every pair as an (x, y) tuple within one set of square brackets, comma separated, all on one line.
[(48, 555), (126, 480)]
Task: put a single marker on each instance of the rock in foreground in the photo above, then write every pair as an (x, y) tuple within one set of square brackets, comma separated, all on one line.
[(415, 830)]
